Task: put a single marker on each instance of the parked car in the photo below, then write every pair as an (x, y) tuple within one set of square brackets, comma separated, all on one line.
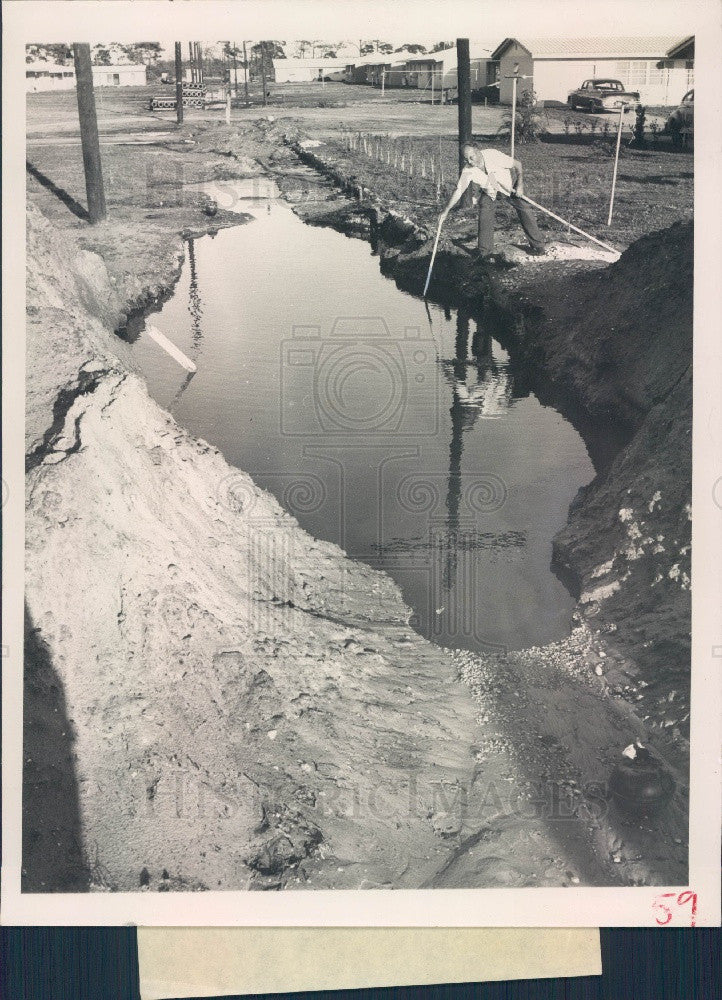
[(602, 95), (681, 122)]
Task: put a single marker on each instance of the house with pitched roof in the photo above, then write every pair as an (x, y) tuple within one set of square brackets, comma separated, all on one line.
[(554, 66)]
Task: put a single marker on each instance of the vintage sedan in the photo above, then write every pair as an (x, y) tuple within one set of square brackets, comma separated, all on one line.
[(602, 95), (680, 124)]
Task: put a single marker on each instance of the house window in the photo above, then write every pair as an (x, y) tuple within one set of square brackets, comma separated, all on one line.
[(623, 71), (637, 72), (656, 75), (690, 77)]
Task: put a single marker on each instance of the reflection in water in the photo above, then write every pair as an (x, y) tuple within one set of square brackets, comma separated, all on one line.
[(458, 502), (195, 306), (183, 386), (479, 388)]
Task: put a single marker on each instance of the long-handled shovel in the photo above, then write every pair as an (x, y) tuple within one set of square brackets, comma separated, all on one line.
[(433, 255)]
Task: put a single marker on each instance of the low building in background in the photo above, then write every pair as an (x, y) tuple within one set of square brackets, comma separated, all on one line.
[(308, 70), (554, 66), (61, 76)]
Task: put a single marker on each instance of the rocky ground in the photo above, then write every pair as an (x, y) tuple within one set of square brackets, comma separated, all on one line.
[(196, 719)]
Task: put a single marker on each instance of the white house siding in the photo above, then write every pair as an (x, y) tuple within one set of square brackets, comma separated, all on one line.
[(40, 78), (554, 78), (482, 71), (48, 76), (664, 85), (307, 70), (119, 76)]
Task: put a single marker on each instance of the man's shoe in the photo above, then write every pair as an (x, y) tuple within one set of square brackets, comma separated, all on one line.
[(537, 251)]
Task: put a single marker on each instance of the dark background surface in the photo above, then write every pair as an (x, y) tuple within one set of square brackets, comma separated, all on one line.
[(101, 963)]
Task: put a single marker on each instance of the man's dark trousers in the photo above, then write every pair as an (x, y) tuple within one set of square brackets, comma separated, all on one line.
[(487, 212)]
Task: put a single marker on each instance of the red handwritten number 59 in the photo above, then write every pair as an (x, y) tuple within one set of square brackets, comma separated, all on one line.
[(666, 911)]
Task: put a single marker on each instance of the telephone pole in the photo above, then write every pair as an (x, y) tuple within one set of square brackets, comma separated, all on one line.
[(245, 71), (463, 83), (178, 83), (89, 132), (263, 70)]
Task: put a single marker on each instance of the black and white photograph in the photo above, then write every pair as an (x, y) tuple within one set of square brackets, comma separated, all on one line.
[(358, 465)]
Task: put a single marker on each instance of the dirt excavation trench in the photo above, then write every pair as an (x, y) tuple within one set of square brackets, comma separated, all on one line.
[(245, 668)]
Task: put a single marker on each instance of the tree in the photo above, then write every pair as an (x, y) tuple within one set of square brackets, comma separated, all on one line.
[(145, 52), (58, 53), (101, 56), (264, 53), (412, 47)]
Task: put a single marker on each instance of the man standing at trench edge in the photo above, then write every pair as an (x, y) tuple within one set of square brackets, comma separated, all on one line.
[(489, 172)]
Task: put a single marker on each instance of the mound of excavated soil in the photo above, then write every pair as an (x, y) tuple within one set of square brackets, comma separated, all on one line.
[(621, 342)]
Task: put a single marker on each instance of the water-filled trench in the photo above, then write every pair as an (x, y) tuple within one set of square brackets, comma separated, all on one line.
[(407, 436)]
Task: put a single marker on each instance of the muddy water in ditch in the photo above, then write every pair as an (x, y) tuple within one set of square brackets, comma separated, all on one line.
[(410, 440)]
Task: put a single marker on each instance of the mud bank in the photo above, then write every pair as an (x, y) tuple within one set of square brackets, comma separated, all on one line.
[(232, 725)]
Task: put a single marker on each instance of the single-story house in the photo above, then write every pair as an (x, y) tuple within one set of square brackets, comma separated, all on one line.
[(308, 70), (126, 75), (61, 76), (49, 76), (440, 69), (554, 66)]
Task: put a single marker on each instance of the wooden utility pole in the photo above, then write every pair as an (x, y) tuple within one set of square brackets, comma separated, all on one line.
[(514, 82), (245, 71), (89, 132), (178, 83), (235, 69), (463, 83), (191, 62), (263, 70)]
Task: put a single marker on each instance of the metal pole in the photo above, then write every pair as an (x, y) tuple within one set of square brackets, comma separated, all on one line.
[(513, 112), (245, 71), (89, 132), (432, 86), (383, 82), (178, 83), (616, 161), (235, 69), (463, 83)]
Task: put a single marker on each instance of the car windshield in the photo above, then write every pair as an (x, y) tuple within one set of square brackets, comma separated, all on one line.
[(608, 85)]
